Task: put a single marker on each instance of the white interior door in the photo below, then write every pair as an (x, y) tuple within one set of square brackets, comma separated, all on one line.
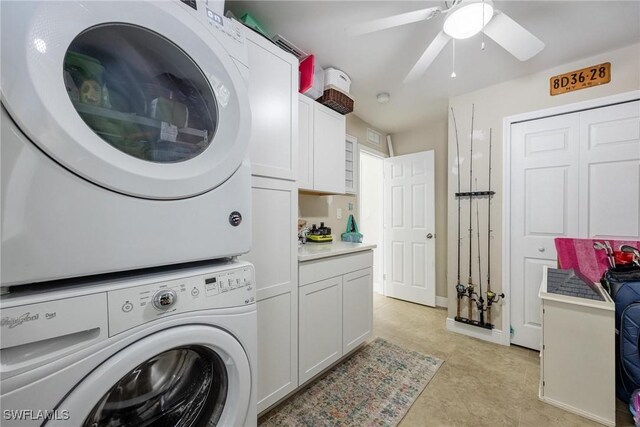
[(409, 228), (573, 175), (610, 164), (544, 205)]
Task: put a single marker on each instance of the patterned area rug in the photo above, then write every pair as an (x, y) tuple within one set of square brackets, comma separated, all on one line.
[(374, 387)]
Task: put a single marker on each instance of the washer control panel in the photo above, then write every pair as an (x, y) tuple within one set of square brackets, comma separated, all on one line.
[(130, 307), (232, 30)]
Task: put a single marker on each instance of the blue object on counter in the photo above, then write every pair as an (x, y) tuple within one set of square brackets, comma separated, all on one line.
[(351, 234)]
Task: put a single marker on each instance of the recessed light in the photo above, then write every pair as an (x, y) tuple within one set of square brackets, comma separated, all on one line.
[(383, 97)]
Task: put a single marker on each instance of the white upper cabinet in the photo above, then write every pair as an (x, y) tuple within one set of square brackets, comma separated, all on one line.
[(322, 134), (273, 91)]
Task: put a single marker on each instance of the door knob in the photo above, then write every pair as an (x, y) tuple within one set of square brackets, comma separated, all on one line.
[(430, 236)]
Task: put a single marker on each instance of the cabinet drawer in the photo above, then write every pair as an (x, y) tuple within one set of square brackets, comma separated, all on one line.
[(316, 270)]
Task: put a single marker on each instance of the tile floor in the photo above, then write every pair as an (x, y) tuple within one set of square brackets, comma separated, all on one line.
[(480, 384)]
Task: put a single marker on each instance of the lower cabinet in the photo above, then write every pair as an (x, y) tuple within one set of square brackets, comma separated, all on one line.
[(274, 254), (277, 345), (357, 308), (320, 326), (335, 313)]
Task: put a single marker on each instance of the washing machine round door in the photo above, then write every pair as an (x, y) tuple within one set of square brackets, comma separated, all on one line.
[(140, 98), (184, 376)]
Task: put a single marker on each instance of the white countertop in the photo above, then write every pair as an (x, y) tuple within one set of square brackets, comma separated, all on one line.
[(310, 251)]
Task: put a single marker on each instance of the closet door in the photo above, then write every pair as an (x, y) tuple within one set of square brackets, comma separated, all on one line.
[(610, 172), (544, 205)]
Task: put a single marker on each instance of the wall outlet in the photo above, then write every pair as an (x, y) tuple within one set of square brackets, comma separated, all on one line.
[(339, 213)]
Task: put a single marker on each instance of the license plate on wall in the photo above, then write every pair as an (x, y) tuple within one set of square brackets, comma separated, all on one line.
[(580, 79)]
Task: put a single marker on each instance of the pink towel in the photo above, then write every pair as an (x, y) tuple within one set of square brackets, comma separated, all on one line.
[(579, 254)]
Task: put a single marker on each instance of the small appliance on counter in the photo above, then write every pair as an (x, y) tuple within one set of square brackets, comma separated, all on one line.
[(320, 234)]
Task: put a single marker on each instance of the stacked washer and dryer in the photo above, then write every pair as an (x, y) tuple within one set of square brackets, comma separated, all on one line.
[(125, 200)]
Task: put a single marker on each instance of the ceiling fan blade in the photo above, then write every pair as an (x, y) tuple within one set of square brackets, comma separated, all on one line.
[(513, 37), (428, 56), (393, 21)]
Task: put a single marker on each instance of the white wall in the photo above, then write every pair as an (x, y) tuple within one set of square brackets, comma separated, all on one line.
[(371, 208), (492, 104)]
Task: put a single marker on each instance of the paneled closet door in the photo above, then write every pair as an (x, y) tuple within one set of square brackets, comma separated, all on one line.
[(610, 172), (544, 205)]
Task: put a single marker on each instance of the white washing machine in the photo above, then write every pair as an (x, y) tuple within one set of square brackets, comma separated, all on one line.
[(172, 349), (125, 128)]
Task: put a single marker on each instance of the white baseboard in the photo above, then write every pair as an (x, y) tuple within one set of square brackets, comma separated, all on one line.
[(610, 421), (493, 335), (442, 302)]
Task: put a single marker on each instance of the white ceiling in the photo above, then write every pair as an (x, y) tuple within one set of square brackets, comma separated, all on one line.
[(378, 62)]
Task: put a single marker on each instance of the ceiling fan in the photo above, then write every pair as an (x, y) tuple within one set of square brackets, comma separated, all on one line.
[(464, 19)]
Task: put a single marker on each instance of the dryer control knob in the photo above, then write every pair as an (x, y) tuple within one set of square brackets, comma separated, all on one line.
[(164, 299)]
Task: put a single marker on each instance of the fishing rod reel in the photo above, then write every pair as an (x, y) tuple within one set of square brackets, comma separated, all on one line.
[(492, 297), (461, 290), (470, 291)]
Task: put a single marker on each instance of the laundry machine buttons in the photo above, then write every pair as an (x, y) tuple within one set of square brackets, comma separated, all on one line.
[(127, 307), (164, 299)]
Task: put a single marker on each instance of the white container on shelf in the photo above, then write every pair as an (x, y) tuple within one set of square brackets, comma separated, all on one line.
[(317, 90), (337, 79)]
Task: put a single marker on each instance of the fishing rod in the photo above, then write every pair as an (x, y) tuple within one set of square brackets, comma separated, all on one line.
[(480, 301), (470, 281), (491, 296), (460, 289)]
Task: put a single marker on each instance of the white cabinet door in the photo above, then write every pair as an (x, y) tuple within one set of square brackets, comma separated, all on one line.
[(277, 348), (273, 95), (329, 130), (357, 308), (305, 142), (544, 205), (610, 172), (274, 249), (274, 254), (320, 326)]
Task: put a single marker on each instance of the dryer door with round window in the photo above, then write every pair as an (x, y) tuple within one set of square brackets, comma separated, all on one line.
[(141, 99), (185, 376)]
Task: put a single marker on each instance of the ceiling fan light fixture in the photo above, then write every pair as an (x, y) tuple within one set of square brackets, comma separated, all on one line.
[(467, 19)]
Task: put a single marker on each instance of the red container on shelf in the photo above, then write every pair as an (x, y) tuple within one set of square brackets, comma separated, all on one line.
[(306, 73), (311, 78)]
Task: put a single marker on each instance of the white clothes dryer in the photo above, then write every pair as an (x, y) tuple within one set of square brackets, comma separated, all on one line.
[(177, 348), (125, 129)]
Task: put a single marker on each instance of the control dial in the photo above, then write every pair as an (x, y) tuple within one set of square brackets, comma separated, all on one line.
[(164, 299)]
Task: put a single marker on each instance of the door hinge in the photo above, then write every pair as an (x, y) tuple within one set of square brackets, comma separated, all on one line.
[(543, 384), (544, 347)]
